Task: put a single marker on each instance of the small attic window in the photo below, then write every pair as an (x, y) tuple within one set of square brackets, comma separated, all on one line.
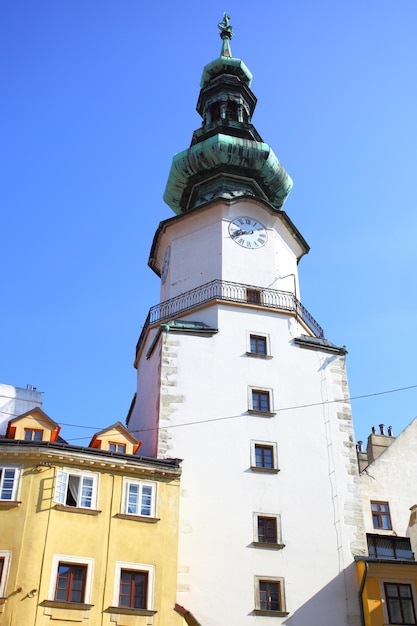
[(33, 434), (117, 447)]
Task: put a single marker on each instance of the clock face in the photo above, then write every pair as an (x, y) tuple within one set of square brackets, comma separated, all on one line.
[(248, 232), (165, 265)]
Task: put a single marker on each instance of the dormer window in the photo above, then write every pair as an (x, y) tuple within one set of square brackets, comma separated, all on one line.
[(33, 434), (117, 447)]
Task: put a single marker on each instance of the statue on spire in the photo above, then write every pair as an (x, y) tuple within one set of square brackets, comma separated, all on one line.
[(226, 33), (225, 28)]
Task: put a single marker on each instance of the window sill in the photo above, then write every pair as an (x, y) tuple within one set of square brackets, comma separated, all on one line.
[(270, 546), (265, 470), (259, 356), (271, 613), (9, 504), (76, 509), (262, 413), (138, 518), (124, 610), (60, 604)]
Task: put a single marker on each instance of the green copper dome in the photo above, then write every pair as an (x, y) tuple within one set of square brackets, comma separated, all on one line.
[(227, 157)]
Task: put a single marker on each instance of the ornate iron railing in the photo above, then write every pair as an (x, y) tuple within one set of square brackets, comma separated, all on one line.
[(226, 291)]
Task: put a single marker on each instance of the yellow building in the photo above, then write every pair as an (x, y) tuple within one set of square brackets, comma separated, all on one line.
[(86, 534), (387, 591)]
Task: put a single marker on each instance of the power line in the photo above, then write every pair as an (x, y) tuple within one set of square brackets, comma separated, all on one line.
[(281, 410), (229, 417)]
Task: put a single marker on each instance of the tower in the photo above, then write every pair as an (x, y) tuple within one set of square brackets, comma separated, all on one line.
[(236, 378)]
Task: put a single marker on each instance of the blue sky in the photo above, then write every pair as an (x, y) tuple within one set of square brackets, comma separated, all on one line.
[(99, 95)]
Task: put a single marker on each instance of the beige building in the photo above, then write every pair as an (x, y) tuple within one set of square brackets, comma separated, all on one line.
[(87, 534), (388, 575)]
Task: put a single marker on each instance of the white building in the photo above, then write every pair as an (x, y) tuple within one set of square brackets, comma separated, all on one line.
[(236, 378), (15, 401)]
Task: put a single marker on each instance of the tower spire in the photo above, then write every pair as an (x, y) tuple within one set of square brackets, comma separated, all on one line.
[(226, 33)]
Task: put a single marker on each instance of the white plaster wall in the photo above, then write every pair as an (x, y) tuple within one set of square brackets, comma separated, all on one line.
[(202, 251), (313, 492), (15, 401), (392, 478), (203, 419)]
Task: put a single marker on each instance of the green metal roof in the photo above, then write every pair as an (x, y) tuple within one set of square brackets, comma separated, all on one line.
[(226, 65), (253, 158)]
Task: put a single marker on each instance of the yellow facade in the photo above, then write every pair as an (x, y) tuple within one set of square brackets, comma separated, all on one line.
[(373, 576), (42, 534)]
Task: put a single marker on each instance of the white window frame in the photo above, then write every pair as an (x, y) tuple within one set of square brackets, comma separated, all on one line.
[(277, 518), (273, 579), (127, 482), (135, 567), (62, 486), (268, 444), (74, 560), (254, 333), (7, 556), (16, 482), (268, 390)]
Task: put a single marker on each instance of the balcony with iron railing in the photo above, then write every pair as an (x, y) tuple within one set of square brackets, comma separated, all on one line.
[(225, 291)]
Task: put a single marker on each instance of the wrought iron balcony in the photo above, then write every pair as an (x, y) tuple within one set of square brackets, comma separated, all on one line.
[(225, 291)]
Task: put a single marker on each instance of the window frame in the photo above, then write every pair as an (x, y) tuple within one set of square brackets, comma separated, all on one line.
[(257, 539), (15, 485), (144, 568), (144, 595), (262, 610), (127, 483), (262, 391), (33, 432), (271, 445), (378, 515), (252, 335), (5, 557), (387, 605), (61, 488), (69, 588), (117, 444), (58, 559)]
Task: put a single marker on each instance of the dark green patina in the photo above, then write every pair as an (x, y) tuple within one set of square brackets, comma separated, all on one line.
[(227, 157)]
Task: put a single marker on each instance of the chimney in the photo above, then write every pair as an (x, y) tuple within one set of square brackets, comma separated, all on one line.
[(378, 443)]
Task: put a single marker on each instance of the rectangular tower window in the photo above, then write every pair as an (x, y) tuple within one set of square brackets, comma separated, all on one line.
[(269, 596), (400, 605), (380, 515), (267, 529), (258, 345), (264, 456), (260, 401)]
